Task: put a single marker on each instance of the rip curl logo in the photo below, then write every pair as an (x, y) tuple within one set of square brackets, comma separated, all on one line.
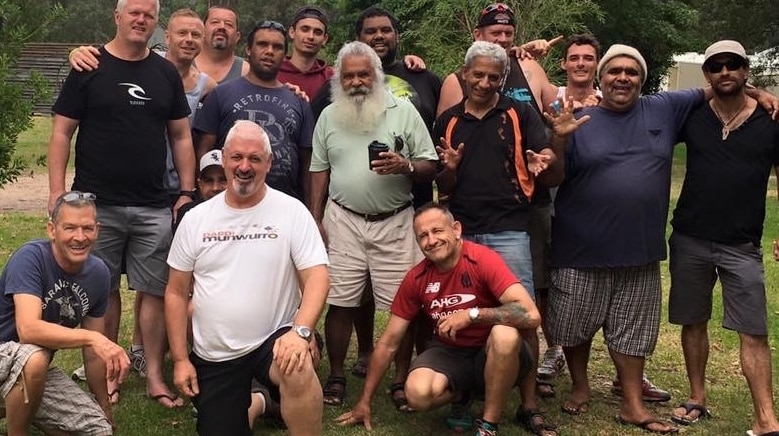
[(137, 93)]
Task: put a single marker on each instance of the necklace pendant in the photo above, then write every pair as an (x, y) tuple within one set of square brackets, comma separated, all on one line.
[(725, 132)]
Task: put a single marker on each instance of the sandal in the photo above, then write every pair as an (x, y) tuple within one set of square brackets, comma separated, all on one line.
[(534, 421), (400, 402), (688, 407), (644, 425), (544, 388), (360, 367), (334, 391)]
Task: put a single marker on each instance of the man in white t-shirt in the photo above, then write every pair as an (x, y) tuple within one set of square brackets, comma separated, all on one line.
[(250, 251)]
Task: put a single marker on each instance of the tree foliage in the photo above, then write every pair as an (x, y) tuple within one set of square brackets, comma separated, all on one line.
[(658, 29), (20, 21)]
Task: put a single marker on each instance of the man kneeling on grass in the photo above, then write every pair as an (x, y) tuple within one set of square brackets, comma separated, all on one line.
[(47, 289), (478, 305)]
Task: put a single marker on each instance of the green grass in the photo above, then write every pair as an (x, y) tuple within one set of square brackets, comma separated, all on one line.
[(728, 394), (32, 146)]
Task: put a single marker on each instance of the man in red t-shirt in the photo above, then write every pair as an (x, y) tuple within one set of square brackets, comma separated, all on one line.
[(477, 306)]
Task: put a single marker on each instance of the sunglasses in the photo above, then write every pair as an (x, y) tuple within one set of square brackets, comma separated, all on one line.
[(275, 25), (500, 7), (399, 143), (731, 64), (75, 196)]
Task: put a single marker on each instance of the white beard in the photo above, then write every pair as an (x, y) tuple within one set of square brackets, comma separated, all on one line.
[(359, 113)]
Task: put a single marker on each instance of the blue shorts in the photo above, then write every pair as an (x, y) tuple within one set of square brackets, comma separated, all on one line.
[(514, 248)]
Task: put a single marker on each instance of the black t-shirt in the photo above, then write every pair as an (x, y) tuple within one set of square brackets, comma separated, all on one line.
[(493, 184), (724, 191), (421, 88), (123, 109), (518, 88)]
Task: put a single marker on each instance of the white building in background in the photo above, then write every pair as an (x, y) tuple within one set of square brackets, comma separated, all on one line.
[(686, 72)]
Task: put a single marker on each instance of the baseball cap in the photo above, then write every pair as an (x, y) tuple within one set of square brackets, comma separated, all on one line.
[(310, 11), (213, 157), (725, 46), (496, 13)]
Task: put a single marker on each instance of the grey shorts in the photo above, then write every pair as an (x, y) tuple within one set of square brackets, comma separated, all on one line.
[(464, 367), (540, 244), (696, 264), (140, 235), (625, 302), (65, 407)]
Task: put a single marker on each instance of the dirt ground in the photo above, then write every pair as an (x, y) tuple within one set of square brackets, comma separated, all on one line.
[(29, 193)]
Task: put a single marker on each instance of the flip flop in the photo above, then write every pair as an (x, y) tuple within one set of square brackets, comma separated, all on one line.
[(688, 407), (111, 396), (170, 398), (644, 425), (573, 408)]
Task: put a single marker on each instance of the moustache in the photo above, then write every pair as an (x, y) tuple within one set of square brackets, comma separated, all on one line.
[(360, 90)]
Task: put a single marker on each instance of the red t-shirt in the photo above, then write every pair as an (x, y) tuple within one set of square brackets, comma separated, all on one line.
[(478, 280)]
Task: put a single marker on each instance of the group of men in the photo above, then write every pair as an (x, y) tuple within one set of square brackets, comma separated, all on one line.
[(299, 207)]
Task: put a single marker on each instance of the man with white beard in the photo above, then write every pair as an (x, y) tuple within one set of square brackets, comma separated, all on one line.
[(368, 148)]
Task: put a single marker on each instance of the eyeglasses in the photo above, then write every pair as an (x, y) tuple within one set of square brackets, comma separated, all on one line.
[(732, 64), (275, 25), (74, 196), (500, 7)]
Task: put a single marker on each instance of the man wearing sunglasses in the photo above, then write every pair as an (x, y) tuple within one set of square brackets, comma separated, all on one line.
[(50, 288), (717, 229), (609, 228), (259, 96)]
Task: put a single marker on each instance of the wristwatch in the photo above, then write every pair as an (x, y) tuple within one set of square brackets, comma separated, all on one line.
[(410, 167), (190, 194), (302, 331), (473, 314)]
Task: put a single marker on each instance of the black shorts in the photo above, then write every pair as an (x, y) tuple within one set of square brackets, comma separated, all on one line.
[(464, 367), (225, 389)]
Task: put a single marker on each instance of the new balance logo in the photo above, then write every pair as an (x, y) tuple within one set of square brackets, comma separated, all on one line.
[(433, 288)]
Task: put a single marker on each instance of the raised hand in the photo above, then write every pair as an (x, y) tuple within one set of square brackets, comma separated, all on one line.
[(450, 157), (561, 118)]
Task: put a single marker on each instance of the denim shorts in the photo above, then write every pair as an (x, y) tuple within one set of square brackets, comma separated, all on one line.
[(514, 248)]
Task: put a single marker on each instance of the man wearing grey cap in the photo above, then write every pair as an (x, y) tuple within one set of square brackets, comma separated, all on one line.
[(717, 228), (609, 228)]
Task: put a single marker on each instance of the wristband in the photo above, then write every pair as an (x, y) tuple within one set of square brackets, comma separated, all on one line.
[(190, 194)]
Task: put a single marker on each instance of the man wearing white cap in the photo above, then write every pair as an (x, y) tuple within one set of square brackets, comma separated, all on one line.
[(609, 227), (718, 225), (210, 181)]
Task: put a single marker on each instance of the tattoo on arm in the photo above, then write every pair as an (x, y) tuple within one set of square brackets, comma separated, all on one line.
[(512, 314)]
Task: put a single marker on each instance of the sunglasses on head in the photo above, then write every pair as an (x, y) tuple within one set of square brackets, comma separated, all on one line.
[(275, 25), (74, 196), (732, 64), (500, 7)]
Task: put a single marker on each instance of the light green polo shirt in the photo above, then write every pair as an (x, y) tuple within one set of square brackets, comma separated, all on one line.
[(345, 154)]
